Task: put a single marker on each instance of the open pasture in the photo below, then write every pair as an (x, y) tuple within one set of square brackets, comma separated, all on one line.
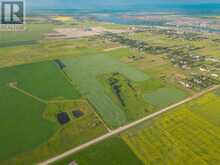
[(63, 137), (19, 109), (31, 34), (208, 108), (49, 50), (44, 80), (128, 95), (84, 71), (164, 97), (217, 92), (110, 152), (187, 135), (21, 122)]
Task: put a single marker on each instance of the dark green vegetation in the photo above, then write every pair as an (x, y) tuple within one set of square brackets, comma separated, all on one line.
[(110, 152), (44, 80), (164, 97), (84, 71)]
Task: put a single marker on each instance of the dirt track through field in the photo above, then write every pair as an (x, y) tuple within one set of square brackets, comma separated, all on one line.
[(124, 128), (115, 48), (28, 94)]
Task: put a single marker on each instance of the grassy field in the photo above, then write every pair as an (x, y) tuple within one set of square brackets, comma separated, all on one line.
[(31, 35), (130, 96), (48, 50), (207, 46), (84, 71), (189, 135), (21, 123), (76, 132), (208, 108), (218, 92), (121, 53), (110, 152), (32, 46), (33, 122), (44, 80), (164, 97)]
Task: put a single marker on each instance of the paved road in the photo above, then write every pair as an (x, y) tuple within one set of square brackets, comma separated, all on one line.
[(124, 128)]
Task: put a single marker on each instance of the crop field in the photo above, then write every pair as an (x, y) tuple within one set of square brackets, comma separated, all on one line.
[(102, 82), (84, 71), (128, 95), (188, 135), (121, 53), (17, 111), (31, 35), (39, 91), (110, 152), (48, 50), (76, 132), (164, 97), (218, 92), (208, 108), (44, 80)]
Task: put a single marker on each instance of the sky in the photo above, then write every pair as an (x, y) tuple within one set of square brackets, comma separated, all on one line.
[(107, 4)]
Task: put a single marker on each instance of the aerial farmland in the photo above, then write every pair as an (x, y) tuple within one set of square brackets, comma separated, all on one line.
[(78, 90)]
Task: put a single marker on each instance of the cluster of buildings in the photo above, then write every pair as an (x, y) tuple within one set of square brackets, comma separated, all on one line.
[(184, 57)]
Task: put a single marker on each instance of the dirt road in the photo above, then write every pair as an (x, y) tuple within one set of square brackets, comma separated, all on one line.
[(124, 128)]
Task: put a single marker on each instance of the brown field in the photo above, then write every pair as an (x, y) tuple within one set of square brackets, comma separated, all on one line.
[(69, 33)]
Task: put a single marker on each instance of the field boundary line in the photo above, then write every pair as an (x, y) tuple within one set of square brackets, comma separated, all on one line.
[(115, 48), (68, 79), (126, 127), (99, 117), (28, 94)]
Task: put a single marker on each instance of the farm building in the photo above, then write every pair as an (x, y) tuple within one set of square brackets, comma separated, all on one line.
[(77, 113), (63, 118)]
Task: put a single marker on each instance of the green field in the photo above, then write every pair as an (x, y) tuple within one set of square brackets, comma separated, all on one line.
[(113, 82), (218, 92), (208, 108), (164, 97), (49, 50), (110, 152), (21, 123), (31, 35), (130, 96), (84, 71), (44, 80), (122, 52), (187, 136), (21, 114), (72, 134)]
